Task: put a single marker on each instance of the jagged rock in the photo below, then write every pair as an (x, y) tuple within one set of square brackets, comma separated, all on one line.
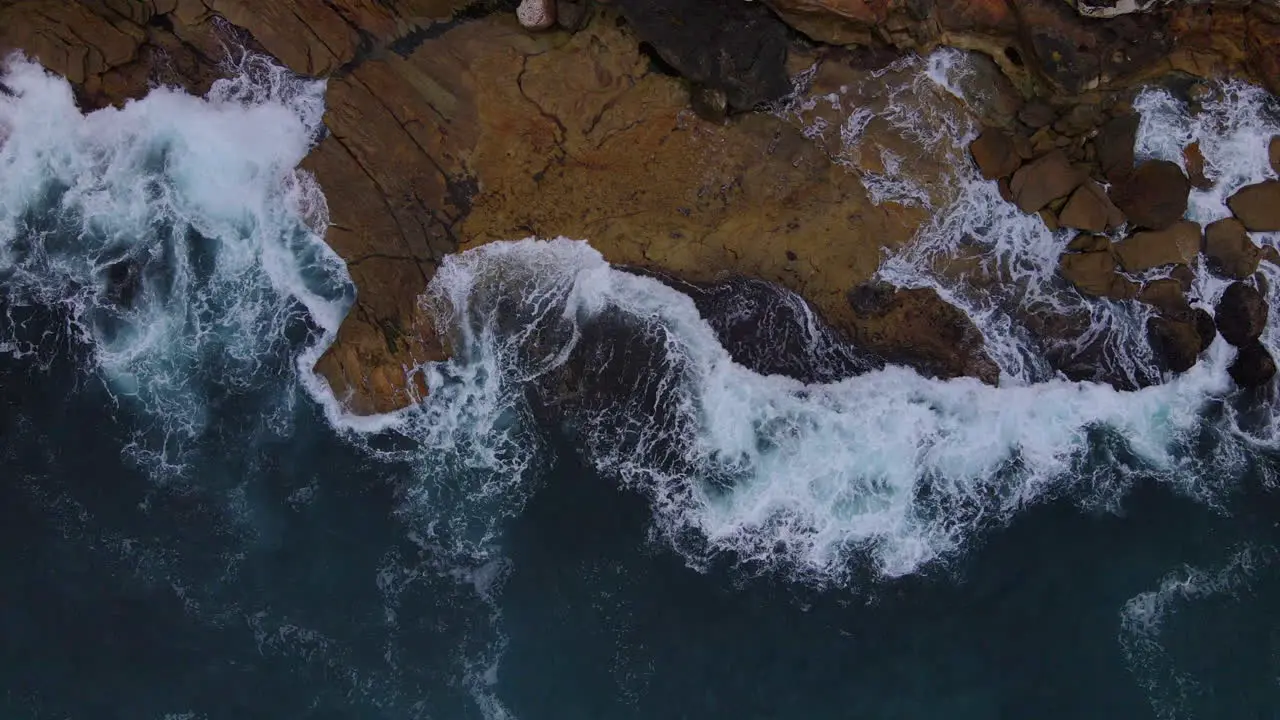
[(1090, 209), (1041, 181), (1166, 294), (1253, 366), (536, 14), (1112, 8), (1176, 245), (1114, 145), (734, 46), (995, 154), (1241, 314), (1275, 154), (1176, 342), (1230, 251), (1154, 195), (1193, 158), (1094, 273), (918, 328), (1258, 206)]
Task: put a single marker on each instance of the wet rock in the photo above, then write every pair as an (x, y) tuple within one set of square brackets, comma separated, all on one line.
[(1154, 195), (735, 46), (1084, 242), (1090, 209), (1275, 154), (1175, 342), (1175, 245), (1241, 314), (1041, 181), (1258, 206), (1230, 251), (123, 281), (1114, 146), (536, 14), (1037, 114), (1166, 294), (1194, 161), (995, 154), (711, 104), (1094, 273), (1205, 326), (1253, 366), (916, 327)]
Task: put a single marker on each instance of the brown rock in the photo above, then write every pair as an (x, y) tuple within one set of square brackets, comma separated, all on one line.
[(1094, 273), (1153, 196), (1176, 342), (1275, 154), (1205, 326), (1194, 160), (1080, 119), (1084, 242), (1037, 114), (1253, 366), (1230, 251), (1166, 294), (995, 154), (1114, 146), (1039, 182), (1178, 244), (918, 328), (1258, 206), (1241, 314), (1090, 209)]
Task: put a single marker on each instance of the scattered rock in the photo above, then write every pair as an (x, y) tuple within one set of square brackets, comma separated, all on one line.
[(1176, 245), (1037, 114), (1275, 154), (1230, 251), (711, 104), (1094, 273), (1154, 195), (1258, 206), (1205, 327), (1253, 366), (916, 327), (1241, 314), (1114, 146), (1176, 342), (1038, 183), (1194, 160), (1166, 294), (536, 14), (1090, 209), (995, 154), (1080, 119)]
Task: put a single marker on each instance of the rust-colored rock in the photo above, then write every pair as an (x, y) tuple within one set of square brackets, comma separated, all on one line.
[(918, 328), (1176, 245), (1154, 195), (1041, 181), (1094, 273), (1090, 209), (1193, 158), (1230, 251), (995, 154), (1258, 206)]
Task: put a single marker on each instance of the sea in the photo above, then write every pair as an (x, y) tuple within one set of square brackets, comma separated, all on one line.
[(736, 514)]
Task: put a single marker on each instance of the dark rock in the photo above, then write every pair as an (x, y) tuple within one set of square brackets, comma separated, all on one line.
[(571, 14), (734, 46), (1114, 146), (1275, 154), (1166, 294), (1080, 119), (917, 328), (1253, 366), (123, 281), (1038, 183), (1176, 342), (708, 103), (1258, 206), (1205, 327), (1154, 195), (1037, 114), (1241, 314), (1230, 251), (1090, 209), (995, 154), (1176, 245)]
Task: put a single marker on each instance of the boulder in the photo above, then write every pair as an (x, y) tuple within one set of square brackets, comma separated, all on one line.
[(1205, 327), (1114, 146), (1241, 314), (1193, 159), (1258, 206), (995, 154), (1253, 366), (1042, 181), (1166, 294), (1230, 251), (916, 327), (1175, 342), (1176, 245), (536, 14), (1090, 209), (1084, 242), (1037, 114), (1154, 195), (734, 46), (1094, 273), (1275, 154)]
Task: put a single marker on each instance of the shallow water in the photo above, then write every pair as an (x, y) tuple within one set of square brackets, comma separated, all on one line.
[(196, 530)]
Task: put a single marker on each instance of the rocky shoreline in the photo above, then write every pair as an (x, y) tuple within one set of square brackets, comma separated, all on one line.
[(633, 124)]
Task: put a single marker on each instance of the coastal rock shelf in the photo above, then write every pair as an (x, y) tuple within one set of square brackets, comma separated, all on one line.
[(637, 125)]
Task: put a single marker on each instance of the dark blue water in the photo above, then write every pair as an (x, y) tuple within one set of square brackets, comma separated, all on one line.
[(276, 578)]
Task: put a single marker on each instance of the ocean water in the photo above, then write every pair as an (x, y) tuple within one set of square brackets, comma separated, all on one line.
[(615, 502)]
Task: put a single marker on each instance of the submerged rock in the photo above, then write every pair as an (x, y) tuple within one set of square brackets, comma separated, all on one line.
[(1154, 195), (1230, 251), (1241, 314), (1258, 206), (1253, 366)]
